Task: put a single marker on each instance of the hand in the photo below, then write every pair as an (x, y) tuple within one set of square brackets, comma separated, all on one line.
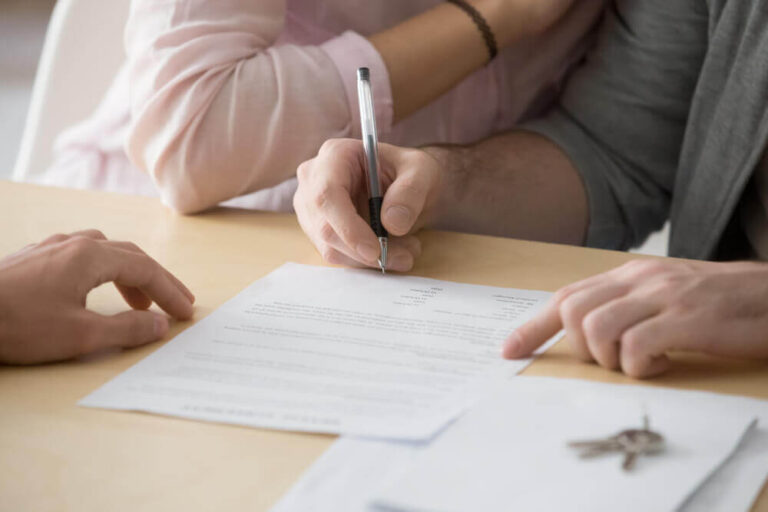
[(630, 317), (332, 193), (43, 291)]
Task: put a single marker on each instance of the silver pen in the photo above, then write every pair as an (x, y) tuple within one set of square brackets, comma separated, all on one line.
[(371, 145)]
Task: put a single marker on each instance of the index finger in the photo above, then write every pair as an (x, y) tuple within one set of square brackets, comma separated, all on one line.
[(138, 270), (130, 246), (534, 333), (343, 217)]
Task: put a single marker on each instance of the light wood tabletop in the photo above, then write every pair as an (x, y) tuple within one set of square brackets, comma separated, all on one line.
[(56, 456)]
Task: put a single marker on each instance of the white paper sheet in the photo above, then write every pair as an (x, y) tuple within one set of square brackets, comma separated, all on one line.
[(348, 476), (332, 350), (509, 452), (735, 486)]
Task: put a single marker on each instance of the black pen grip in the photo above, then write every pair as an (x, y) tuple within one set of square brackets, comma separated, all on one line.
[(374, 207)]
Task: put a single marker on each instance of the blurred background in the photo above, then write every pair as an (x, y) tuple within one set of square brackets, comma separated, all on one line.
[(22, 30)]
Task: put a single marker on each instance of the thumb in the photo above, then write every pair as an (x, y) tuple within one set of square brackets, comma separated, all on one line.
[(130, 328), (405, 198)]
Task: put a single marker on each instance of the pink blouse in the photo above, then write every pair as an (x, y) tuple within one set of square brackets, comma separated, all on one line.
[(223, 99)]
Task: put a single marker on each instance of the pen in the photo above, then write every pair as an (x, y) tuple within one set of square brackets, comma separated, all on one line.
[(371, 145)]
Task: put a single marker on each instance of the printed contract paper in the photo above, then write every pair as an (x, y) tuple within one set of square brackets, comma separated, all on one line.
[(333, 350)]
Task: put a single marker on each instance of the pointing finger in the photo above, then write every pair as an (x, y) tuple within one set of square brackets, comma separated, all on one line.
[(534, 333)]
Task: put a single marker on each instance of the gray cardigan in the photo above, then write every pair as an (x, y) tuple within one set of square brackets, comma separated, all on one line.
[(667, 118)]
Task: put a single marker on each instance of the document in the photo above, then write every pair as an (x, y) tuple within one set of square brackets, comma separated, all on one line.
[(349, 475), (735, 485), (333, 350), (354, 471), (509, 452)]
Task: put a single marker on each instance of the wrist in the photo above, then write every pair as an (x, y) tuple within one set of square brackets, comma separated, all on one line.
[(445, 205), (496, 14)]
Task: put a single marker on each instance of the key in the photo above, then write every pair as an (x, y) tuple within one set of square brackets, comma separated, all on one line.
[(631, 442)]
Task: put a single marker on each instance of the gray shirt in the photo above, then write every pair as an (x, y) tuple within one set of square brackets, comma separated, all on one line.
[(668, 118)]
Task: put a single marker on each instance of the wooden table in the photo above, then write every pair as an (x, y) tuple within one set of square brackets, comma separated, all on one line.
[(57, 456)]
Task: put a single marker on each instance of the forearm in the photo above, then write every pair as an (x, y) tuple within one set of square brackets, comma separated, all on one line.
[(430, 53), (518, 184)]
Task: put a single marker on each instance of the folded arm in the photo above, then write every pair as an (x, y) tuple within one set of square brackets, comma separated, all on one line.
[(219, 110), (215, 106)]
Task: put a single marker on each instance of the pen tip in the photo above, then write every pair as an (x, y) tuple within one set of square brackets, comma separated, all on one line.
[(383, 259)]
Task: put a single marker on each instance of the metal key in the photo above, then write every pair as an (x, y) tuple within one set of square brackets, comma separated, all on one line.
[(631, 442)]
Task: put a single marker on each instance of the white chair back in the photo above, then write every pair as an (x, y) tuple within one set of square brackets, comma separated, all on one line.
[(82, 53)]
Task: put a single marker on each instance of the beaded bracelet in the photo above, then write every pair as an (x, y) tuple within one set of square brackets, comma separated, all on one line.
[(482, 25)]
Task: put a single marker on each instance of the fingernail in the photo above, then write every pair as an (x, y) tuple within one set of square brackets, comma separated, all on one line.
[(161, 326), (399, 218), (368, 252), (511, 345)]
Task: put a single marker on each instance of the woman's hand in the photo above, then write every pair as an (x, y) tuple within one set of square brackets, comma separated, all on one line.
[(43, 291), (630, 317)]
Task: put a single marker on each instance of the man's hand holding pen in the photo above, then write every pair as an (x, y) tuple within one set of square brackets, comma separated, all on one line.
[(394, 186), (332, 200)]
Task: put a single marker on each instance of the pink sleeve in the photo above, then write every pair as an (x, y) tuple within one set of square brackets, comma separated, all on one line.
[(218, 111), (349, 52)]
